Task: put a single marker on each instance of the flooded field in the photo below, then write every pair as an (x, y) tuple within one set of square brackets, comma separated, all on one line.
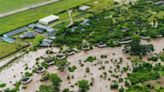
[(101, 84), (15, 71)]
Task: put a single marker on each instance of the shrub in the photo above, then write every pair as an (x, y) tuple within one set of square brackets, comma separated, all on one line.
[(154, 58), (114, 85), (2, 85), (72, 69), (90, 59), (27, 74)]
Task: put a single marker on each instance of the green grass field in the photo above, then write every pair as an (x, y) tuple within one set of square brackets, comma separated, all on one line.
[(9, 5), (7, 48), (18, 20)]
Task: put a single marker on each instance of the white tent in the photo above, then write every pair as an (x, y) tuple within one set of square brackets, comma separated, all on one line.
[(49, 19)]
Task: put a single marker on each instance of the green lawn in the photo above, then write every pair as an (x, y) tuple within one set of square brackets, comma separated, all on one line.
[(9, 5), (18, 20), (8, 48)]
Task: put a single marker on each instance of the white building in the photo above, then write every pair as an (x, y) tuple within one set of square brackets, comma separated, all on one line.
[(49, 19), (83, 8)]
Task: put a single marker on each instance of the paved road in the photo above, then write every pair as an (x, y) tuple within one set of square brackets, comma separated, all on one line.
[(27, 8)]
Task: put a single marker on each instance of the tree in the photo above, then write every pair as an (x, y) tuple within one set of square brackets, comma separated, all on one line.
[(44, 88), (66, 90), (83, 85), (56, 80), (61, 64), (136, 48)]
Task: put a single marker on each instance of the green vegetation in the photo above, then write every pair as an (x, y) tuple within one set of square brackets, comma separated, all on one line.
[(72, 69), (2, 85), (83, 85), (136, 48), (61, 64), (161, 56), (9, 5), (90, 59), (112, 26), (55, 84), (142, 73), (10, 48)]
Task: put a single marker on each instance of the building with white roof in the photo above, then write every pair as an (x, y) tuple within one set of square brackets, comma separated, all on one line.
[(83, 8), (49, 19)]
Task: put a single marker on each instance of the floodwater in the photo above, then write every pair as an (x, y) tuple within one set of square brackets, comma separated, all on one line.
[(14, 72), (100, 84)]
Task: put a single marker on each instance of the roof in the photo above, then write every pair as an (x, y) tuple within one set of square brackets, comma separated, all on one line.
[(9, 40), (48, 19), (47, 28), (28, 35), (15, 32), (83, 8), (159, 3), (46, 42)]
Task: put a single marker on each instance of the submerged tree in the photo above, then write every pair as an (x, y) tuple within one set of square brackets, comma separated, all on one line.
[(136, 48), (83, 85), (56, 80)]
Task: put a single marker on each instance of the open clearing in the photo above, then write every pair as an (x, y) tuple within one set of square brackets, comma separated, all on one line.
[(9, 5)]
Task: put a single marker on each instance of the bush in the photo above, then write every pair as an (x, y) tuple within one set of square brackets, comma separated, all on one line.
[(162, 58), (114, 85), (154, 58), (90, 59), (72, 69), (2, 85), (66, 90), (28, 74)]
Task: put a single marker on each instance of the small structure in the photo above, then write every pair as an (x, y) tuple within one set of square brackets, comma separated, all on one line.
[(26, 80), (86, 47), (159, 3), (70, 52), (40, 69), (145, 38), (28, 35), (49, 62), (46, 43), (9, 34), (85, 22), (60, 56), (101, 45), (83, 8), (124, 42), (41, 28), (7, 39), (49, 19)]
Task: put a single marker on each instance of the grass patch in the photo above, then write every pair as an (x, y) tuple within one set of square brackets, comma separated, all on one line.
[(7, 48), (8, 5)]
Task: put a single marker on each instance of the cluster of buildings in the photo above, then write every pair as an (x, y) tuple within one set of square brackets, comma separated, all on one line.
[(39, 28)]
